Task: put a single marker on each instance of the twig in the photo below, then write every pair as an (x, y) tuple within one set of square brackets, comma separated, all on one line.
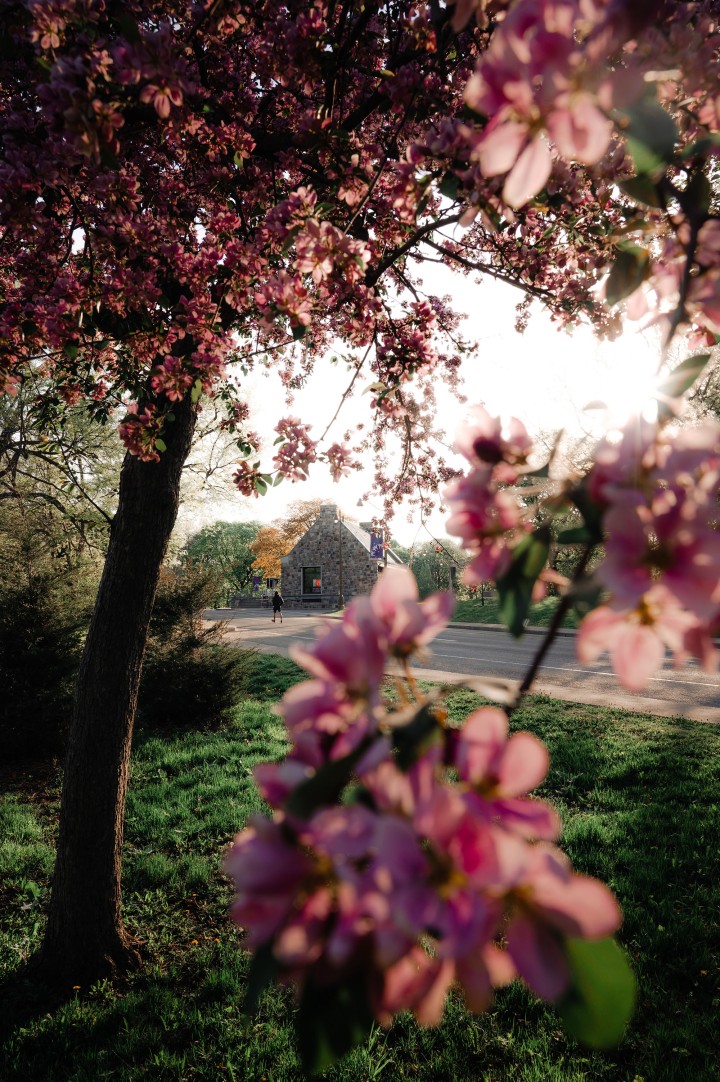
[(552, 631)]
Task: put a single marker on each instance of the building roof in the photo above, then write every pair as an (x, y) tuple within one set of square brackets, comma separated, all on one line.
[(362, 533)]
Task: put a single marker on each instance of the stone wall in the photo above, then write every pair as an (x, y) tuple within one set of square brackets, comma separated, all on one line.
[(325, 545)]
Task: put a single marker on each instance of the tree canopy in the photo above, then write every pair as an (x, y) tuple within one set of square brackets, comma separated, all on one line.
[(226, 547), (189, 191)]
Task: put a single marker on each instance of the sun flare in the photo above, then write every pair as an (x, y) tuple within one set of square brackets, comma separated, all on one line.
[(622, 383)]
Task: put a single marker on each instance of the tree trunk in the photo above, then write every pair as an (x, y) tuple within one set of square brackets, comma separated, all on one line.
[(85, 937)]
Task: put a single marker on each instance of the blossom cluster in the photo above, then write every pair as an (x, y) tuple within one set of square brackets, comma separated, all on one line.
[(437, 867), (485, 512), (323, 250), (296, 450), (141, 430), (339, 458), (655, 491), (248, 478), (537, 79), (659, 492)]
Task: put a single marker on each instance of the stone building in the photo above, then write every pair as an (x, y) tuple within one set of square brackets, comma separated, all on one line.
[(330, 562)]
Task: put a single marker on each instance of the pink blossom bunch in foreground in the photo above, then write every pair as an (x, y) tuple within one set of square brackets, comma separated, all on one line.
[(404, 855), (651, 498), (659, 491)]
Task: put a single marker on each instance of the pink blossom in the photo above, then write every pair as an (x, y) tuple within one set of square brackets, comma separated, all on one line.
[(284, 295), (172, 379), (501, 770), (297, 451), (162, 96), (141, 430), (637, 637), (245, 478), (339, 459), (671, 539), (267, 871), (409, 622), (552, 903), (324, 721), (351, 653), (488, 441), (418, 983), (486, 519), (538, 76)]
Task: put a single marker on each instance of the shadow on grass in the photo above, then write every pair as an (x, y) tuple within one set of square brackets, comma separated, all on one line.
[(640, 800)]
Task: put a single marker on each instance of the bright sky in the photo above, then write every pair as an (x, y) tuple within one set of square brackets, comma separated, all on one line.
[(545, 377)]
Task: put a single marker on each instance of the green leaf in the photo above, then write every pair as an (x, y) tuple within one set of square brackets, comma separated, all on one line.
[(586, 594), (196, 390), (264, 968), (515, 587), (278, 478), (704, 147), (410, 740), (71, 350), (601, 997), (642, 190), (630, 269), (449, 186), (651, 137), (326, 784), (238, 159), (591, 513), (577, 535), (128, 27), (698, 194), (298, 331), (160, 445), (682, 378), (331, 1020), (260, 486)]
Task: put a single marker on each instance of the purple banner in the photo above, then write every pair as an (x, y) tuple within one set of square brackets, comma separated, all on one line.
[(376, 545)]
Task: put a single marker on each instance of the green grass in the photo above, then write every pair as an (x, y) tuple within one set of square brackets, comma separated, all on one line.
[(640, 799), (474, 612)]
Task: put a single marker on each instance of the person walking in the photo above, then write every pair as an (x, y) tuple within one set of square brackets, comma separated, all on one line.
[(277, 603)]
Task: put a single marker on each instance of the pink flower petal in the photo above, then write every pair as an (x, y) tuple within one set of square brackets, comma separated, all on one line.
[(524, 764), (538, 955), (637, 653), (581, 133), (500, 148), (529, 174), (579, 906), (596, 633)]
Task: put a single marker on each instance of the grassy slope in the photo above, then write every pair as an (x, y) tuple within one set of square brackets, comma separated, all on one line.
[(473, 612), (640, 800)]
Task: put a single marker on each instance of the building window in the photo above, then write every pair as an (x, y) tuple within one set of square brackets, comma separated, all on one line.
[(311, 580)]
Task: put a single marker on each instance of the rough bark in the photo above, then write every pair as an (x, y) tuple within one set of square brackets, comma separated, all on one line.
[(85, 936)]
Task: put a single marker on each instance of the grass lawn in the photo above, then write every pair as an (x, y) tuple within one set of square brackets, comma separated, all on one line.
[(640, 799), (475, 612)]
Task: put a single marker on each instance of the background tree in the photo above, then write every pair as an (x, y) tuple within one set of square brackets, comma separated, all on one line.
[(226, 548), (274, 542), (66, 466), (437, 565), (268, 549)]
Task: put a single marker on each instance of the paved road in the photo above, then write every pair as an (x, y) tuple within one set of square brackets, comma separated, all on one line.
[(474, 650)]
